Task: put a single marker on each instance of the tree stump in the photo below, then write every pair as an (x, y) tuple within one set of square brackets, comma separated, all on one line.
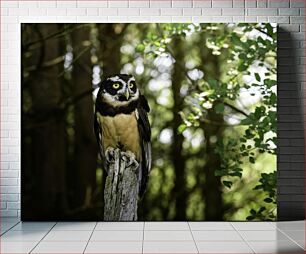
[(121, 187)]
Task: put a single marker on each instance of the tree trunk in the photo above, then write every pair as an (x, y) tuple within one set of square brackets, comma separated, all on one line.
[(121, 188), (212, 192), (85, 161), (45, 192), (111, 36), (179, 190)]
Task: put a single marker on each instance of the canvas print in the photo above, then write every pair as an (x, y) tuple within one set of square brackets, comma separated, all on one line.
[(149, 122)]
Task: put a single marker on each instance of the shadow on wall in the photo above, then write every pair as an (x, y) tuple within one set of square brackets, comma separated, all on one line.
[(291, 151)]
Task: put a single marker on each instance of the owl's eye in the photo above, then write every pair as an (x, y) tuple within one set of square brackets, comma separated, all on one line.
[(116, 85), (131, 85)]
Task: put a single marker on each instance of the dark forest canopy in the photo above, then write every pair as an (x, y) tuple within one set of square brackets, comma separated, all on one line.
[(212, 91)]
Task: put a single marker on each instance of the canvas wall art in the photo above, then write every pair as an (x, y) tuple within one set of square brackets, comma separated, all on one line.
[(149, 122)]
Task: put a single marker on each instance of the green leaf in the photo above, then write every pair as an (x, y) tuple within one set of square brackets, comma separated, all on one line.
[(236, 174), (140, 48), (236, 40), (252, 160), (273, 99), (243, 140), (228, 184), (242, 56), (181, 128), (246, 121), (157, 43), (268, 200), (242, 67), (258, 187), (269, 29), (219, 108), (257, 77), (261, 209), (269, 82), (250, 218), (213, 83)]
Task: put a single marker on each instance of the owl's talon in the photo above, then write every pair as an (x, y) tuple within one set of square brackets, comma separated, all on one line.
[(130, 159), (110, 154)]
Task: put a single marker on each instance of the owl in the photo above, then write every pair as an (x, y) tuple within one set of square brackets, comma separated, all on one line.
[(121, 121)]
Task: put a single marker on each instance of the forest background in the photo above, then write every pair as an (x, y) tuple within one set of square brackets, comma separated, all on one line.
[(212, 92)]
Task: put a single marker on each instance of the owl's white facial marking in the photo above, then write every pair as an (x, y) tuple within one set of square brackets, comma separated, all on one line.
[(116, 79), (120, 90), (131, 79), (123, 89), (115, 102)]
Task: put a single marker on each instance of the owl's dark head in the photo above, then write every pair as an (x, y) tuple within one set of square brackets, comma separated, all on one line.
[(119, 90)]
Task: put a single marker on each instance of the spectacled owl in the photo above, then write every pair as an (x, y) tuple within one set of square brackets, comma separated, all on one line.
[(121, 121)]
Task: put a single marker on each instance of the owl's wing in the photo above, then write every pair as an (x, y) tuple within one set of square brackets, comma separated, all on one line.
[(145, 139), (98, 133)]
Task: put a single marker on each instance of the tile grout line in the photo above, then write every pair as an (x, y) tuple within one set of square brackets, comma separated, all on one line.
[(42, 238), (283, 232), (244, 240), (10, 228), (193, 237), (90, 236), (143, 231), (273, 225)]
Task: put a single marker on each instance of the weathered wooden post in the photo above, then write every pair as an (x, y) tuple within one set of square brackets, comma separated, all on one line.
[(121, 188)]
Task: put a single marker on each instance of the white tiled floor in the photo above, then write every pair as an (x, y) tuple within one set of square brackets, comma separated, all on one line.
[(152, 237)]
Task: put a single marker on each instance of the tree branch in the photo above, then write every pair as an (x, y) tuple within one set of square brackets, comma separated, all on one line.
[(76, 98), (235, 109), (55, 35), (74, 60), (259, 30)]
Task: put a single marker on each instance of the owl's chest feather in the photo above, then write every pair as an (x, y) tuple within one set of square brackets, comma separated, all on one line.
[(121, 131)]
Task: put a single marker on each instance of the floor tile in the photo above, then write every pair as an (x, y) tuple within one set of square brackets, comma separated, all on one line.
[(276, 247), (169, 247), (60, 247), (114, 247), (253, 226), (64, 226), (273, 223), (223, 247), (167, 236), (3, 230), (301, 243), (23, 236), (296, 235), (9, 220), (166, 226), (273, 235), (291, 225), (7, 225), (6, 228), (221, 226), (33, 226), (69, 236), (101, 236), (119, 226), (216, 236), (17, 247)]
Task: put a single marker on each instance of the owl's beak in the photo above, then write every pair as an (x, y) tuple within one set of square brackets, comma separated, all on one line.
[(127, 94)]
